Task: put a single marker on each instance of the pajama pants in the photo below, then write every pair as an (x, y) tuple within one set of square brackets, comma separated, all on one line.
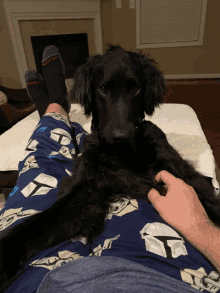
[(134, 231)]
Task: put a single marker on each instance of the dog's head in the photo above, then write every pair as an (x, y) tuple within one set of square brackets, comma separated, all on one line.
[(117, 88)]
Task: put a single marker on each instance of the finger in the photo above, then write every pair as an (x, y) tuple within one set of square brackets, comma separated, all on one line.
[(154, 197), (166, 177)]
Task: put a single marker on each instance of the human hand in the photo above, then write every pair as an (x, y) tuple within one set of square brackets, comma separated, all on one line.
[(180, 207)]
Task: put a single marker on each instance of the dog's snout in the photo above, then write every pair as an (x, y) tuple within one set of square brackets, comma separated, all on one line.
[(121, 135)]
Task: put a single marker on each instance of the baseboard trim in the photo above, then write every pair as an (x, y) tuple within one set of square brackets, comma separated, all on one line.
[(193, 76)]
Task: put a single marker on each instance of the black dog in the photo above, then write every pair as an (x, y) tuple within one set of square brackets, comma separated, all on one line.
[(120, 158)]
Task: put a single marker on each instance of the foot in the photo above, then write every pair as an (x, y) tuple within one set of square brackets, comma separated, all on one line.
[(54, 71), (37, 91)]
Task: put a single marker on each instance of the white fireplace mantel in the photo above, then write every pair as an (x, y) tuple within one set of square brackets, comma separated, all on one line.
[(36, 10)]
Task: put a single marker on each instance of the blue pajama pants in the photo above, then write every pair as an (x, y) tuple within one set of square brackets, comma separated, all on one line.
[(133, 231)]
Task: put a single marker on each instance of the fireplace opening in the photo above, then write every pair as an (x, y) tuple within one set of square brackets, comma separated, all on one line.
[(73, 49)]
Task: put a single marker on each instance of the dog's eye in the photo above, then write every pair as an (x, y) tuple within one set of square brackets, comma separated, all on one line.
[(103, 90), (136, 90)]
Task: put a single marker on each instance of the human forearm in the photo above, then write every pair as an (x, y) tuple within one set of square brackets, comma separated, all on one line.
[(206, 238)]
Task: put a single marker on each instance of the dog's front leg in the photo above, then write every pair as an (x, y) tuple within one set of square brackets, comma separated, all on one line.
[(158, 152)]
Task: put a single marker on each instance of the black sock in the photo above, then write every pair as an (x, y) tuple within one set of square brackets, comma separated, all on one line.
[(54, 71), (37, 91)]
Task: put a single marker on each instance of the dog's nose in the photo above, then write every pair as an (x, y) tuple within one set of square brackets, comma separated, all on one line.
[(120, 135)]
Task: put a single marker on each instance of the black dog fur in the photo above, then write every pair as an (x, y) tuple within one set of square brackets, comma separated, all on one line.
[(120, 159)]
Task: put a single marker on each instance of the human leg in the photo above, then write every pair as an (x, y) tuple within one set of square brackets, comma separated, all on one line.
[(56, 108), (51, 89), (54, 75), (37, 90), (48, 158), (53, 139)]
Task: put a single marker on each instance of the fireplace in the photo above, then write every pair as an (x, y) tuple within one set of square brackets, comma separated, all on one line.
[(53, 19), (73, 49)]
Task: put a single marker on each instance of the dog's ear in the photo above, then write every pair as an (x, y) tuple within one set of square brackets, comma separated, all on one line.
[(112, 47), (155, 87), (81, 91)]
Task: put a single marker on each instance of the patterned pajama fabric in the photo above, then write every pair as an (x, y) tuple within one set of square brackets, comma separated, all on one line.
[(133, 231)]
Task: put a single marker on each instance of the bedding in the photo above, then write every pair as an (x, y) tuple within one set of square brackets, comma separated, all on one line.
[(178, 121)]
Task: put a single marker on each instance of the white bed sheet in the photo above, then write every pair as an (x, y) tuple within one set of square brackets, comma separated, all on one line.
[(178, 121)]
